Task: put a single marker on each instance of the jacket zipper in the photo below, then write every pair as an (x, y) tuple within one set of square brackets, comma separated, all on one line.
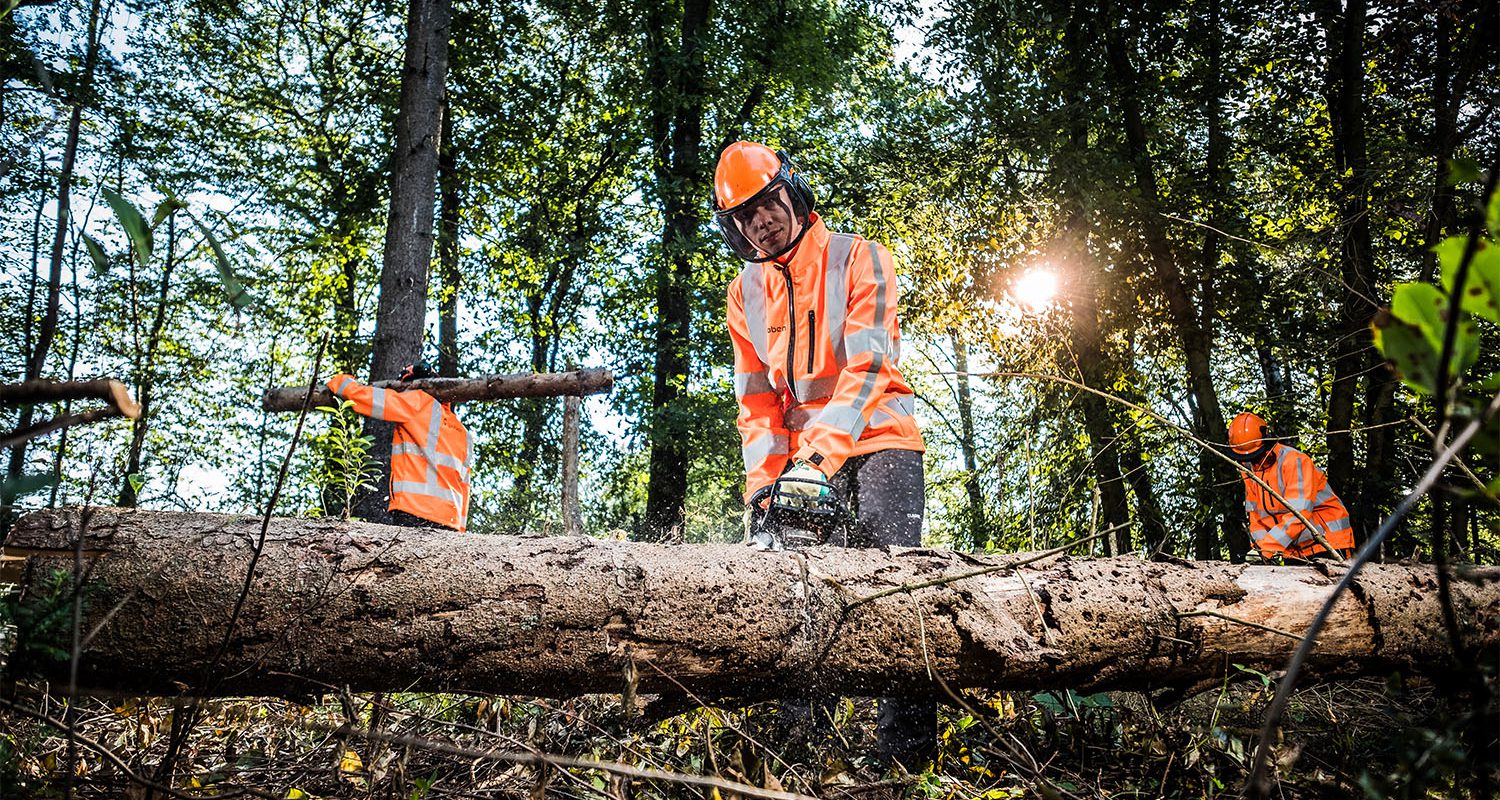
[(812, 327), (791, 342)]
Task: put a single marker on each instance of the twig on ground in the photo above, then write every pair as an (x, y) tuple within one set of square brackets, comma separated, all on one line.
[(537, 758), (1245, 622)]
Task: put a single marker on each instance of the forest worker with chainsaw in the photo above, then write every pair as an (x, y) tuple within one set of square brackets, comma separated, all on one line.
[(1277, 532), (824, 408), (430, 449)]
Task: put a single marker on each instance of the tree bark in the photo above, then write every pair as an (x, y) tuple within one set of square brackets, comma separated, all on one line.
[(463, 390), (375, 608), (978, 521), (676, 126), (408, 238), (450, 184)]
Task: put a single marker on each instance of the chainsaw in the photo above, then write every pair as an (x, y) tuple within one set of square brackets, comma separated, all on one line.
[(781, 518)]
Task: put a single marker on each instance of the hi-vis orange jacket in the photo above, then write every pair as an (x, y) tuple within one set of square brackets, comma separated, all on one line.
[(430, 451), (816, 346), (1273, 526)]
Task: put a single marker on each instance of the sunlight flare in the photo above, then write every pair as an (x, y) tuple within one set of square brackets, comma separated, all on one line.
[(1035, 290)]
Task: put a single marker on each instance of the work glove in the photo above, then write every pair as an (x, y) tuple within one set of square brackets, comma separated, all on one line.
[(804, 480)]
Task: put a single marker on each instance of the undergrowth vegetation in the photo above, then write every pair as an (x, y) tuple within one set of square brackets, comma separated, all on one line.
[(1366, 738)]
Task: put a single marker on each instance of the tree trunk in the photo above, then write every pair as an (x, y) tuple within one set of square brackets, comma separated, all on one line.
[(1097, 417), (449, 275), (1352, 357), (382, 608), (677, 133), (979, 527), (1196, 340), (408, 237), (145, 377), (36, 359)]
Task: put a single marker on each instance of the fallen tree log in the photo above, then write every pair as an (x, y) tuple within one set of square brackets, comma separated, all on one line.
[(382, 608), (462, 390)]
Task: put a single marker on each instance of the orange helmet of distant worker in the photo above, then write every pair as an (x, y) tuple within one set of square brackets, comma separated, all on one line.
[(1248, 439), (748, 178)]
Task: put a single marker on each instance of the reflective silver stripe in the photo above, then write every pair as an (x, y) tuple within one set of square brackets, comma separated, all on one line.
[(1299, 504), (1279, 534), (1306, 536), (1323, 496), (844, 418), (748, 383), (468, 451), (429, 490), (868, 340), (753, 290), (1340, 524), (377, 403), (877, 360), (816, 388), (1301, 477), (342, 385), (443, 459), (893, 408), (836, 293), (756, 452), (429, 447), (1251, 507)]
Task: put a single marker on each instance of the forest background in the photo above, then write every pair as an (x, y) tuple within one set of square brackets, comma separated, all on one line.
[(1226, 194)]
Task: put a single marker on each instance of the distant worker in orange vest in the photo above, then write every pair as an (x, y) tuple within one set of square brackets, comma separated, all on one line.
[(1292, 473), (430, 450)]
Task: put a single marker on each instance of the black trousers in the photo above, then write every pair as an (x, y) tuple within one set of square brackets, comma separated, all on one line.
[(886, 491)]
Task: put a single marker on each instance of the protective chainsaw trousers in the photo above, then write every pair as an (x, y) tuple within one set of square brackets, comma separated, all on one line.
[(886, 493)]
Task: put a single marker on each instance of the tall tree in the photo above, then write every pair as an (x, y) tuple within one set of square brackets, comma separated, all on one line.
[(80, 97), (402, 312), (1218, 480)]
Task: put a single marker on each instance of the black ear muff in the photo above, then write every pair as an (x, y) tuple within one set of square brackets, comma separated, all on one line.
[(798, 183)]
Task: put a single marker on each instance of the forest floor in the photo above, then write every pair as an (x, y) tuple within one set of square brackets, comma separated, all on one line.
[(1353, 739)]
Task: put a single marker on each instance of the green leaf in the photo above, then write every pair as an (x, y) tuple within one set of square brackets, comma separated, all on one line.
[(1481, 295), (1408, 351), (137, 480), (134, 224), (1423, 306), (1461, 170), (96, 252), (239, 297), (165, 208)]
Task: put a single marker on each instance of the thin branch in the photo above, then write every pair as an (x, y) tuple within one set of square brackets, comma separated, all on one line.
[(540, 759), (119, 763), (1247, 623), (1045, 554)]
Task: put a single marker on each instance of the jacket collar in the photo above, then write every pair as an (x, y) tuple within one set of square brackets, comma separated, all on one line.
[(807, 258)]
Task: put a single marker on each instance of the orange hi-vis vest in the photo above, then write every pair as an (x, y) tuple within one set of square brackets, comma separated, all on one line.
[(1273, 526), (430, 451), (816, 352)]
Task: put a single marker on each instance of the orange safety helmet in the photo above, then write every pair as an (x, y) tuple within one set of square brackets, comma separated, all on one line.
[(747, 176), (1248, 439)]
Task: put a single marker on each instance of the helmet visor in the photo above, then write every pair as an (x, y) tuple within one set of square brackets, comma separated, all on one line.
[(767, 225)]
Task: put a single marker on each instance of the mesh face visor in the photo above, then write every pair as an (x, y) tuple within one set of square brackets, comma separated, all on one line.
[(733, 222)]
